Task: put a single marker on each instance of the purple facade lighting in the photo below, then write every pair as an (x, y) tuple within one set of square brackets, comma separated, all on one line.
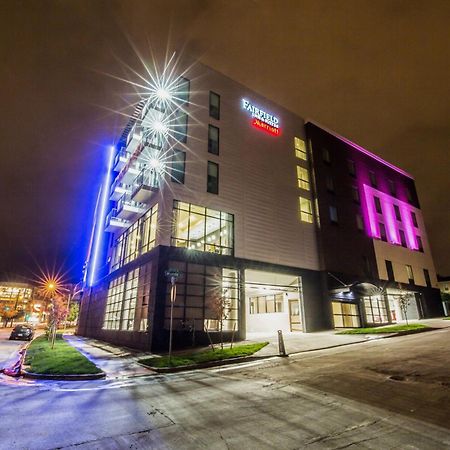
[(372, 218)]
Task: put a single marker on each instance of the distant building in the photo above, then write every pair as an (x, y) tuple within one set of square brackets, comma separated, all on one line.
[(444, 287), (251, 207), (16, 297)]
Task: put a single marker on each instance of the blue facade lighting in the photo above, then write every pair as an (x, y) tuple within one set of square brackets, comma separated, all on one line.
[(99, 225)]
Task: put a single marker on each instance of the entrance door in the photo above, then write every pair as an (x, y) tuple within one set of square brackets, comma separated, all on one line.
[(294, 315)]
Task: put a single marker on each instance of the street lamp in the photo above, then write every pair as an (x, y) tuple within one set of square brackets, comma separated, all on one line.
[(172, 275)]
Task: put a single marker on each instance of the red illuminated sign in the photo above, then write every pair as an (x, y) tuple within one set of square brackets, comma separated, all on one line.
[(265, 127)]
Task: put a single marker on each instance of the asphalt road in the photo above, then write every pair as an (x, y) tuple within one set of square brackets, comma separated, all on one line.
[(330, 399), (7, 347)]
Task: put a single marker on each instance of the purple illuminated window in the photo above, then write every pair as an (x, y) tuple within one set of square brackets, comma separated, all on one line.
[(402, 238), (414, 219), (377, 205), (397, 212)]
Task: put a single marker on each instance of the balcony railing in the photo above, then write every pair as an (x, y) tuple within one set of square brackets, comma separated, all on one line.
[(118, 189), (144, 185), (114, 223), (121, 159), (127, 208)]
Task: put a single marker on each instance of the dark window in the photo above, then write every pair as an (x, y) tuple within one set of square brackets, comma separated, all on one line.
[(383, 232), (351, 167), (182, 94), (367, 266), (419, 243), (330, 183), (373, 179), (326, 155), (402, 238), (409, 195), (359, 222), (392, 188), (414, 219), (426, 274), (390, 270), (377, 205), (410, 273), (397, 213), (178, 166), (180, 126), (214, 105), (355, 194), (212, 185), (333, 214), (213, 140)]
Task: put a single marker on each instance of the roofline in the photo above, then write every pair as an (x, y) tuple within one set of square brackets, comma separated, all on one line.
[(359, 148)]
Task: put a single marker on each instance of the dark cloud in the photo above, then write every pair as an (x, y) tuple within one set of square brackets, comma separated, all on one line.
[(376, 72)]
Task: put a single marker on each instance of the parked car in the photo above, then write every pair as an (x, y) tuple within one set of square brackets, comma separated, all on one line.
[(22, 332)]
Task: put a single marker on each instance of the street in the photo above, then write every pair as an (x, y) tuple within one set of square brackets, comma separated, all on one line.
[(384, 394), (7, 347)]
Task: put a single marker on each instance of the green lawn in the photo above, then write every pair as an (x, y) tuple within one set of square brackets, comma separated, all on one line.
[(63, 359), (389, 329), (189, 359), (446, 318)]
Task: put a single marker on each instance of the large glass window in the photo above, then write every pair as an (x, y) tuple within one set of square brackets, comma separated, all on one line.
[(182, 92), (214, 105), (300, 149), (206, 297), (375, 308), (266, 304), (303, 178), (178, 166), (203, 229), (213, 140), (212, 183), (180, 126), (345, 315), (305, 210), (410, 273), (138, 239), (333, 214)]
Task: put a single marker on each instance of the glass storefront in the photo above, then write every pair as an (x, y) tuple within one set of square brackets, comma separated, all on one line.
[(375, 308), (203, 229), (345, 315)]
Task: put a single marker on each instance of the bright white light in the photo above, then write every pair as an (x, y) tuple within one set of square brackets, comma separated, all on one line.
[(163, 94), (159, 127), (154, 163)]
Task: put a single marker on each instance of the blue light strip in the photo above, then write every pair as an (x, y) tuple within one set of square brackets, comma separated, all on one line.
[(100, 222)]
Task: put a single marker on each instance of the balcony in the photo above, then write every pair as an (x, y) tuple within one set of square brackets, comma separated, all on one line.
[(144, 185), (114, 223), (118, 189), (121, 159), (131, 172), (134, 138), (127, 208)]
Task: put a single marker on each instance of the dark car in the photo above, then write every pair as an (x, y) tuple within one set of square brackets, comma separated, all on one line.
[(22, 332)]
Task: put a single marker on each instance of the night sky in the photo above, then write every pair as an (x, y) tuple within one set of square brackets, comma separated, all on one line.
[(375, 72)]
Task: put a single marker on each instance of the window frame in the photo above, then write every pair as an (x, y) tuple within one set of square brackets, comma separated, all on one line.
[(209, 178), (211, 106)]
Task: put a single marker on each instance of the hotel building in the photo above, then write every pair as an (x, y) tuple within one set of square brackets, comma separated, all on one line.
[(227, 194)]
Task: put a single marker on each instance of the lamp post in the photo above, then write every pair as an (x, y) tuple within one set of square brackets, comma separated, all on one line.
[(172, 275)]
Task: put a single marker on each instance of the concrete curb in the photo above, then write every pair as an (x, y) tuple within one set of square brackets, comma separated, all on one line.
[(206, 365), (41, 376)]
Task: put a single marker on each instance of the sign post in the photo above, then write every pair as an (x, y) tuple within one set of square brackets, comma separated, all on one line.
[(172, 275)]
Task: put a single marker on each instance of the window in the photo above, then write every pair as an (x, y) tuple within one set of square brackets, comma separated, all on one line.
[(180, 125), (410, 274), (373, 179), (419, 243), (326, 156), (333, 214), (213, 140), (409, 195), (178, 166), (375, 310), (351, 167), (414, 219), (305, 210), (389, 270), (199, 288), (355, 194), (397, 213), (203, 229), (345, 315), (383, 236), (300, 149), (212, 183), (402, 238), (138, 239), (377, 205), (214, 105), (330, 183), (182, 94), (303, 178), (392, 188), (267, 304), (426, 274), (367, 266), (359, 222)]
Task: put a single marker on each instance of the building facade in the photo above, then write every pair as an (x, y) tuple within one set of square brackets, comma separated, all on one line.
[(217, 187)]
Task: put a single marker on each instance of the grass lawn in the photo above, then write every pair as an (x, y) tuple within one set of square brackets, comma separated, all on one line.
[(446, 318), (189, 359), (389, 329), (63, 359)]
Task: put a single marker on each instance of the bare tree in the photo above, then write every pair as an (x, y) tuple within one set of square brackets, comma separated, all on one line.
[(404, 301), (220, 306)]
